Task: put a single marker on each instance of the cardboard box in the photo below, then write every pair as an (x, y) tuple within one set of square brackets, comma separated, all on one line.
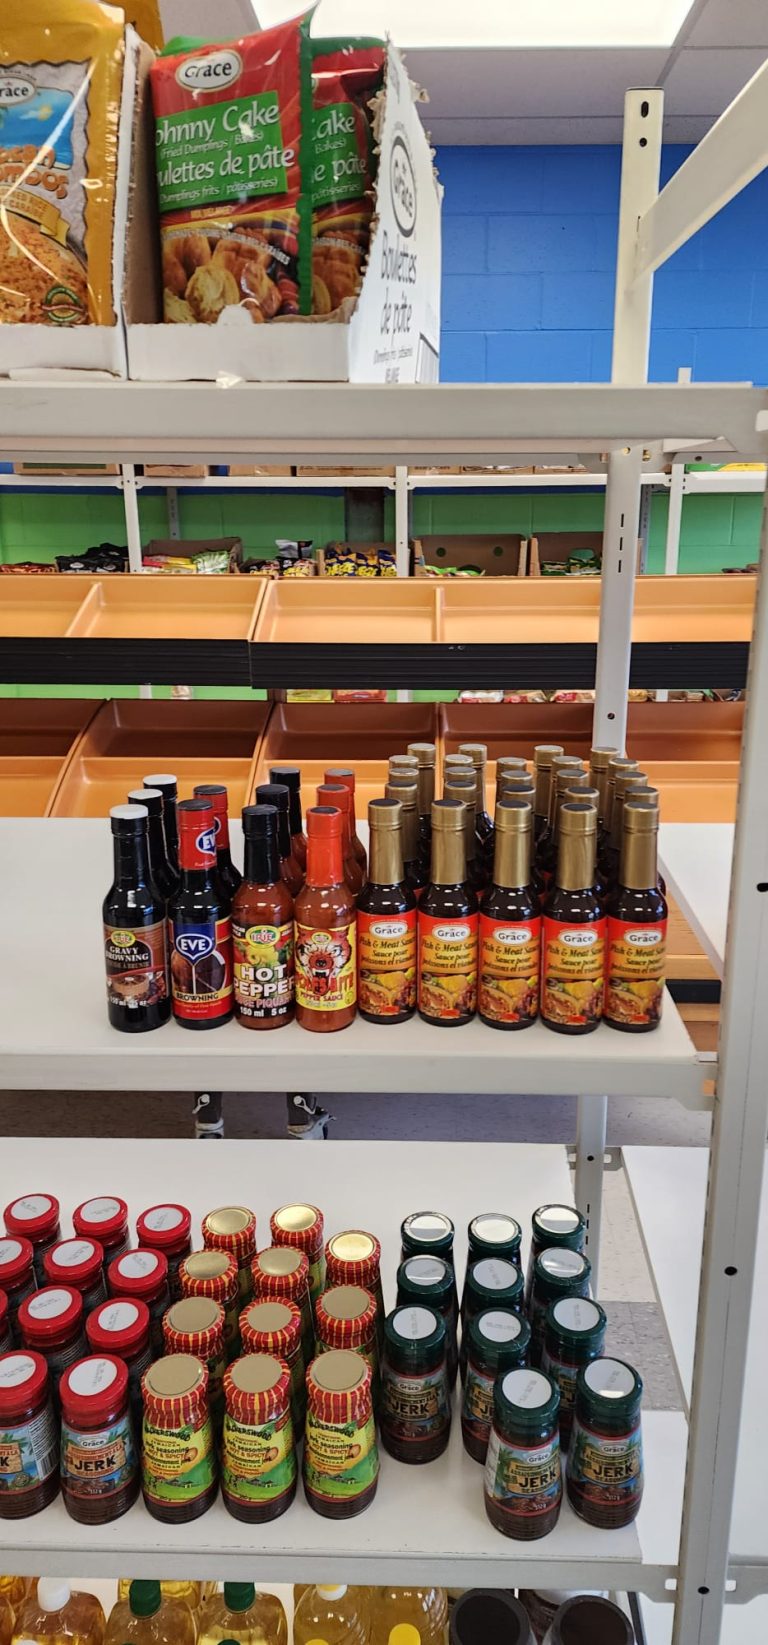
[(390, 333), (38, 470), (306, 472), (276, 471), (174, 547), (175, 471), (504, 555)]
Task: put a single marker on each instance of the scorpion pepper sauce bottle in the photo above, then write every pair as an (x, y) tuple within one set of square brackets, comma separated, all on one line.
[(573, 945), (262, 929), (279, 795), (289, 776), (326, 947), (160, 871), (169, 788), (200, 927), (337, 795), (478, 754), (637, 929), (426, 756), (386, 924), (401, 785), (229, 876), (462, 786), (510, 926), (448, 926), (346, 777), (135, 930)]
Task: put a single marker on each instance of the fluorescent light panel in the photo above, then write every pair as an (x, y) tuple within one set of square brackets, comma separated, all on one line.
[(497, 24)]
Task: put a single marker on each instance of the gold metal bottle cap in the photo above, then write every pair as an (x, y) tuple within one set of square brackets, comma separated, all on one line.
[(384, 813), (294, 1219), (280, 1259), (458, 760), (448, 816), (629, 779), (339, 1371), (192, 1315), (478, 753), (175, 1375), (588, 796), (622, 762), (207, 1264), (405, 793), (545, 753), (404, 777), (403, 762), (460, 787), (268, 1316), (512, 762), (640, 819), (230, 1219), (600, 758), (515, 785), (513, 816), (346, 1301), (644, 795), (356, 1246), (256, 1373), (425, 753), (578, 819)]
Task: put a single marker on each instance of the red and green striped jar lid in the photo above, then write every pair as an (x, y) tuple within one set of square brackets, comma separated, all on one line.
[(257, 1389), (271, 1327), (194, 1326), (339, 1388), (345, 1317)]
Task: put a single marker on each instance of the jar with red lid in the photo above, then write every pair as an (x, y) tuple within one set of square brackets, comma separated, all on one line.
[(274, 1328), (178, 1469), (99, 1462), (303, 1227), (341, 1459), (17, 1275), (258, 1460), (79, 1263), (107, 1221), (35, 1217), (143, 1274), (232, 1228), (29, 1454), (119, 1327), (195, 1325), (167, 1228), (213, 1274), (281, 1274), (51, 1322), (6, 1340)]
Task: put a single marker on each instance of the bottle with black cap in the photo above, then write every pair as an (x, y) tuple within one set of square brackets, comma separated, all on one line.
[(447, 926), (289, 776), (278, 795), (169, 788), (200, 926), (262, 928), (510, 925), (229, 876), (165, 877), (135, 932)]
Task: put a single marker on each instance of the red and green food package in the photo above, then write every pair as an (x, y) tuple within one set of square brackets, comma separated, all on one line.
[(346, 74), (233, 156)]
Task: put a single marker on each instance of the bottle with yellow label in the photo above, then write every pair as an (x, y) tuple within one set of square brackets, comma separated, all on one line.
[(331, 1616), (326, 931), (573, 936), (386, 924), (244, 1615), (637, 928), (448, 926), (510, 925), (408, 1616)]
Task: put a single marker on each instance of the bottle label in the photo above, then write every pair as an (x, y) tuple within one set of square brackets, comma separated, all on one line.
[(477, 1407), (510, 962), (178, 1464), (386, 964), (636, 967), (326, 975), (563, 1373), (607, 1472), (201, 969), (137, 965), (340, 1462), (259, 1460), (448, 966), (264, 970), (523, 1480), (573, 973), (29, 1454), (415, 1409), (59, 1358), (198, 850), (98, 1463)]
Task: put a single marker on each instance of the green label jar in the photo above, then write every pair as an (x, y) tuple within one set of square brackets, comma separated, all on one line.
[(431, 1281), (558, 1272), (258, 1462), (178, 1475), (554, 1225), (574, 1335), (604, 1472), (523, 1484), (341, 1459), (498, 1342), (415, 1397)]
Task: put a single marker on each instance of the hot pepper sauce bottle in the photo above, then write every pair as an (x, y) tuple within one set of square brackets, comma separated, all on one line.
[(289, 776), (326, 945), (262, 928), (165, 877), (637, 929), (573, 937), (336, 794), (462, 786), (386, 924), (510, 926), (200, 926), (345, 776), (135, 931), (229, 876), (169, 788), (447, 926), (278, 795), (426, 754), (402, 786)]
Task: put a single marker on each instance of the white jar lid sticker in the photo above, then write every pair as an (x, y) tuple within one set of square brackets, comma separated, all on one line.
[(415, 1323), (100, 1210), (14, 1370), (498, 1326), (48, 1304), (610, 1378), (495, 1274), (118, 1316), (163, 1217), (576, 1314), (33, 1205), (138, 1264), (528, 1389), (72, 1252), (10, 1251), (92, 1376), (561, 1263), (558, 1219), (425, 1270), (428, 1225), (495, 1228)]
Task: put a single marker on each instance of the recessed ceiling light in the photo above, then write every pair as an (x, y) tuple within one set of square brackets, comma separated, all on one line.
[(498, 23)]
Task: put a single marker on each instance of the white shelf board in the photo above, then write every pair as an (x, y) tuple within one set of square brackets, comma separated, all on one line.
[(696, 861), (427, 1524), (61, 482), (71, 1046), (734, 484), (263, 482)]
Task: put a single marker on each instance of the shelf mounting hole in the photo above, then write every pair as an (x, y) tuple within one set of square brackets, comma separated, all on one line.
[(762, 885), (703, 1590), (645, 110), (643, 142), (610, 716), (730, 1271)]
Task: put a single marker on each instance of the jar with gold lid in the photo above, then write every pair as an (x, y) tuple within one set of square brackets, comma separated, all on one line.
[(213, 1274), (302, 1226), (354, 1258), (275, 1328), (341, 1459), (195, 1325), (232, 1228), (281, 1273), (258, 1465), (178, 1474), (346, 1318)]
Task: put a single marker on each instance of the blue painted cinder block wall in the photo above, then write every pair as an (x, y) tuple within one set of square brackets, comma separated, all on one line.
[(529, 250)]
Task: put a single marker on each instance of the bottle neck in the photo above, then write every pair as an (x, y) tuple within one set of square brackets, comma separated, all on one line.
[(131, 860), (639, 867), (576, 862), (156, 836), (600, 782), (410, 832), (262, 860), (448, 858), (541, 796), (324, 862), (386, 865), (512, 859), (425, 790), (479, 790)]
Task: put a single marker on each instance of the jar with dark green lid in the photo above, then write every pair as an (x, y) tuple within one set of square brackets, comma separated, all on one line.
[(554, 1225), (589, 1617), (431, 1281), (558, 1272), (427, 1233), (605, 1460), (498, 1341), (492, 1282), (523, 1485), (574, 1335), (415, 1397), (494, 1234)]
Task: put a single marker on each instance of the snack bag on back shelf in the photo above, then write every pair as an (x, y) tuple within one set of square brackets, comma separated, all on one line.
[(61, 73), (232, 153), (346, 75)]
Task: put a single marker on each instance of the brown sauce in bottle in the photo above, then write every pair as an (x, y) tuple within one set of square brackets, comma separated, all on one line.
[(573, 938), (448, 926), (326, 935), (262, 929), (386, 925)]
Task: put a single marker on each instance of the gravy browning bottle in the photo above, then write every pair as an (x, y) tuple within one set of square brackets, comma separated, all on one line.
[(262, 928), (278, 795), (510, 925), (637, 928), (447, 926), (289, 776), (401, 785), (135, 933), (229, 876), (169, 788), (326, 936), (573, 937), (200, 926), (426, 755), (386, 924)]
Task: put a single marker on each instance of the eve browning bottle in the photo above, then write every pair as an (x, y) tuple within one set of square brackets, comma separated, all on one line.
[(135, 936), (426, 755), (326, 957), (573, 937), (200, 926), (386, 924), (262, 928), (510, 925), (447, 926), (637, 928), (229, 876)]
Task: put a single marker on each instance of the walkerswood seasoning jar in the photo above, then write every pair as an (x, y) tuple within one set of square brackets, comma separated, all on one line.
[(345, 1317), (604, 1472), (213, 1274), (143, 1274), (178, 1470), (523, 1484), (233, 1229), (281, 1274), (29, 1454), (431, 1281), (302, 1226), (99, 1461), (557, 1273), (17, 1276), (354, 1258), (275, 1328), (79, 1263), (554, 1225), (6, 1340), (105, 1220), (258, 1460), (196, 1326), (498, 1341), (120, 1328), (574, 1335), (415, 1397), (51, 1322), (341, 1459), (167, 1228), (35, 1217)]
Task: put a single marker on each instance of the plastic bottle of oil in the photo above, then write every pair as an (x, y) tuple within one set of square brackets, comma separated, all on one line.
[(7, 1620), (148, 1617), (409, 1616), (243, 1615), (54, 1615), (331, 1616), (16, 1589), (193, 1593)]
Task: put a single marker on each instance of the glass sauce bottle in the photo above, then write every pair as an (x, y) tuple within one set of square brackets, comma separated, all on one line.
[(160, 871), (386, 924), (478, 754), (573, 946), (135, 931), (169, 788), (637, 929), (337, 795), (346, 777), (229, 876), (462, 786), (402, 786), (543, 755), (546, 847), (326, 939), (426, 755), (262, 928), (289, 776), (510, 926), (447, 926), (278, 795), (200, 927)]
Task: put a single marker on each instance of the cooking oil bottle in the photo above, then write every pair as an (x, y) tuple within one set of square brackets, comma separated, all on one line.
[(331, 1616), (54, 1615), (193, 1593), (16, 1589), (409, 1616), (7, 1620), (148, 1617), (243, 1615)]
